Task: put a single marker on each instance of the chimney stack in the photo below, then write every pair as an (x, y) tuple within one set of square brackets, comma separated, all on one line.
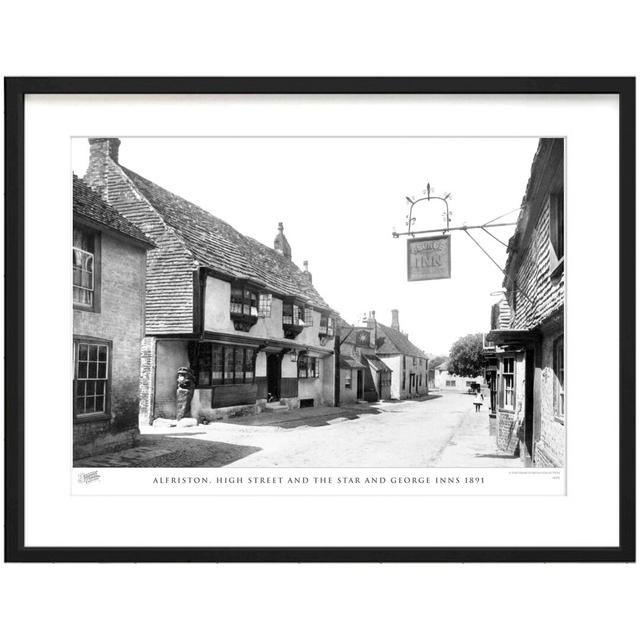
[(280, 244), (101, 152), (306, 271), (395, 323), (371, 320)]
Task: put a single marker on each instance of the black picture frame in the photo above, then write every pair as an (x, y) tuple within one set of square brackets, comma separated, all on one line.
[(15, 91)]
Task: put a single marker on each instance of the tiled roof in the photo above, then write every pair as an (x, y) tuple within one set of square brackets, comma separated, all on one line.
[(397, 342), (349, 362), (88, 204), (378, 365), (216, 244), (444, 366)]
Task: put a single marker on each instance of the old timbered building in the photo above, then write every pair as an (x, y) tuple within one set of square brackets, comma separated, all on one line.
[(527, 355), (242, 316)]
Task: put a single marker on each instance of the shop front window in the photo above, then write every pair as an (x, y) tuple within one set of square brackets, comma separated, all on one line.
[(223, 364)]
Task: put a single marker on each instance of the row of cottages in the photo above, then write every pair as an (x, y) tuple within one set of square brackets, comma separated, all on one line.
[(379, 362), (526, 351), (109, 271), (442, 379), (242, 316)]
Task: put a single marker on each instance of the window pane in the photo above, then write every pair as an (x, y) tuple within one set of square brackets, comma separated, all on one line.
[(102, 354), (239, 364), (249, 357), (82, 370), (217, 363), (93, 370), (265, 305), (100, 403), (228, 364), (83, 350)]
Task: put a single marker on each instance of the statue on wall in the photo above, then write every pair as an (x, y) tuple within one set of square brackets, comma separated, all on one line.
[(184, 394)]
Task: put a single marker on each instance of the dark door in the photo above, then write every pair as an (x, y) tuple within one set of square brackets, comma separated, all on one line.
[(274, 373), (360, 385), (528, 401)]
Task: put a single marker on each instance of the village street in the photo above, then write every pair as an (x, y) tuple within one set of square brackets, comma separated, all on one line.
[(441, 430)]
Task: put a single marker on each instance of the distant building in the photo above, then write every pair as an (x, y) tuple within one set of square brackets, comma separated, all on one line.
[(363, 375), (242, 316), (529, 353), (109, 265), (443, 380), (407, 362)]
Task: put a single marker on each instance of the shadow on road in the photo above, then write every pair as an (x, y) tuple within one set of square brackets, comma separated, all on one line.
[(495, 455), (172, 451)]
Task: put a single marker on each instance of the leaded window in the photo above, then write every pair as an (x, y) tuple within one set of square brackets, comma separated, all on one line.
[(225, 364), (308, 317), (265, 301)]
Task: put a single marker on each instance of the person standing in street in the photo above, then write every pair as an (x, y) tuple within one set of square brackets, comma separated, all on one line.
[(478, 400)]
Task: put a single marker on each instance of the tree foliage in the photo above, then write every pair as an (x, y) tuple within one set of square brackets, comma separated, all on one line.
[(465, 357), (436, 361)]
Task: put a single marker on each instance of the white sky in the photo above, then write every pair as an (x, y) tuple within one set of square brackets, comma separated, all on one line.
[(339, 200)]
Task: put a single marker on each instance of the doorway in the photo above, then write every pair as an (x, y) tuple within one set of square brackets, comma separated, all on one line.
[(360, 385), (274, 374)]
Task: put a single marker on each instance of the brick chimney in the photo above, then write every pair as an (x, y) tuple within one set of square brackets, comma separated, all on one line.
[(395, 323), (101, 152), (281, 244), (371, 320), (306, 271)]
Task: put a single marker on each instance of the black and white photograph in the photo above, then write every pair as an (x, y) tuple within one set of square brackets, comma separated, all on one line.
[(319, 302)]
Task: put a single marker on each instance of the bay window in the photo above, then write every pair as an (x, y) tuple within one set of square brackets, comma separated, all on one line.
[(243, 307), (326, 326), (292, 319)]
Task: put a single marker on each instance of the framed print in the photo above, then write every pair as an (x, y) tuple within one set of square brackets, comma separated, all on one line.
[(320, 319)]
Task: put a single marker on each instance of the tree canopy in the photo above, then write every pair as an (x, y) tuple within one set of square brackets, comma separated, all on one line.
[(466, 357), (436, 361)]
